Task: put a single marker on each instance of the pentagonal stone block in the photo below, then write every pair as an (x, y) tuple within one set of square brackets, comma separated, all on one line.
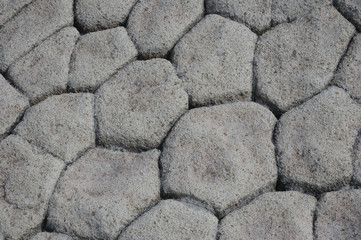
[(175, 220), (214, 61), (44, 70), (138, 106), (277, 215), (214, 153), (33, 24), (351, 9), (97, 56), (50, 236), (103, 191), (294, 61), (62, 124), (10, 7), (155, 26), (315, 142)]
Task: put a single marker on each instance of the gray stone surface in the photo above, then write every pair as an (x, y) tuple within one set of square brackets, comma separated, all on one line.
[(339, 216), (171, 219), (315, 141), (62, 124), (9, 8), (272, 216), (32, 25), (44, 70), (97, 56), (214, 153), (103, 191), (138, 106), (27, 180), (155, 26), (94, 15), (12, 106), (351, 9), (295, 61), (214, 61), (357, 159), (50, 236)]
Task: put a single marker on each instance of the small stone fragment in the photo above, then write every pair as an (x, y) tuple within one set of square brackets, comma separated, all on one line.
[(61, 124), (315, 142), (103, 191), (155, 26), (138, 106), (214, 153), (9, 8), (50, 236), (171, 219), (44, 70), (351, 9), (276, 215), (214, 61)]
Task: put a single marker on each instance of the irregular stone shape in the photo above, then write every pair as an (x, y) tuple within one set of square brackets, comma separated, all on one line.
[(50, 236), (12, 106), (61, 124), (44, 71), (214, 153), (215, 60), (33, 24), (339, 216), (138, 106), (97, 56), (349, 71), (27, 180), (103, 191), (155, 26), (276, 215), (351, 9), (95, 15), (9, 8), (254, 13), (173, 219), (315, 142), (295, 61), (357, 160)]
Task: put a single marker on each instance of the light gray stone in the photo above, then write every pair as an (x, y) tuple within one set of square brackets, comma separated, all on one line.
[(8, 8), (351, 9), (94, 15), (315, 142), (44, 70), (33, 24), (339, 216), (221, 155), (214, 61), (295, 61), (97, 56), (103, 191), (27, 180), (138, 106), (254, 13), (50, 236), (357, 159), (272, 216), (12, 106), (62, 124), (155, 26), (171, 219)]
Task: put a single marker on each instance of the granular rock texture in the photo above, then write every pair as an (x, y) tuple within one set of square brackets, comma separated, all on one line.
[(351, 9), (9, 8), (50, 236), (357, 159)]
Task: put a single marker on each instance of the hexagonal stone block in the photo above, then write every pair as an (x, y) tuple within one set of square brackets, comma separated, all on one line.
[(33, 24), (103, 191), (9, 8), (155, 26), (315, 142), (27, 180), (277, 215), (95, 15), (351, 9), (175, 220), (339, 216), (44, 70), (138, 106), (254, 13), (214, 61), (50, 236), (62, 125), (294, 61), (214, 153)]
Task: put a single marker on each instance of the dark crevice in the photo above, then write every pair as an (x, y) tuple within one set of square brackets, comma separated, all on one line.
[(355, 148), (347, 15)]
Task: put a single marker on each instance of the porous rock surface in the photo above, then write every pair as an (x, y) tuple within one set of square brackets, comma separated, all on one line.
[(50, 236), (351, 9), (9, 8)]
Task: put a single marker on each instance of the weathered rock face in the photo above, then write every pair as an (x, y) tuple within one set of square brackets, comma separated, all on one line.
[(357, 159), (212, 154), (155, 26), (295, 61), (103, 191), (214, 61), (315, 141), (351, 9), (9, 8), (50, 236), (175, 220)]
